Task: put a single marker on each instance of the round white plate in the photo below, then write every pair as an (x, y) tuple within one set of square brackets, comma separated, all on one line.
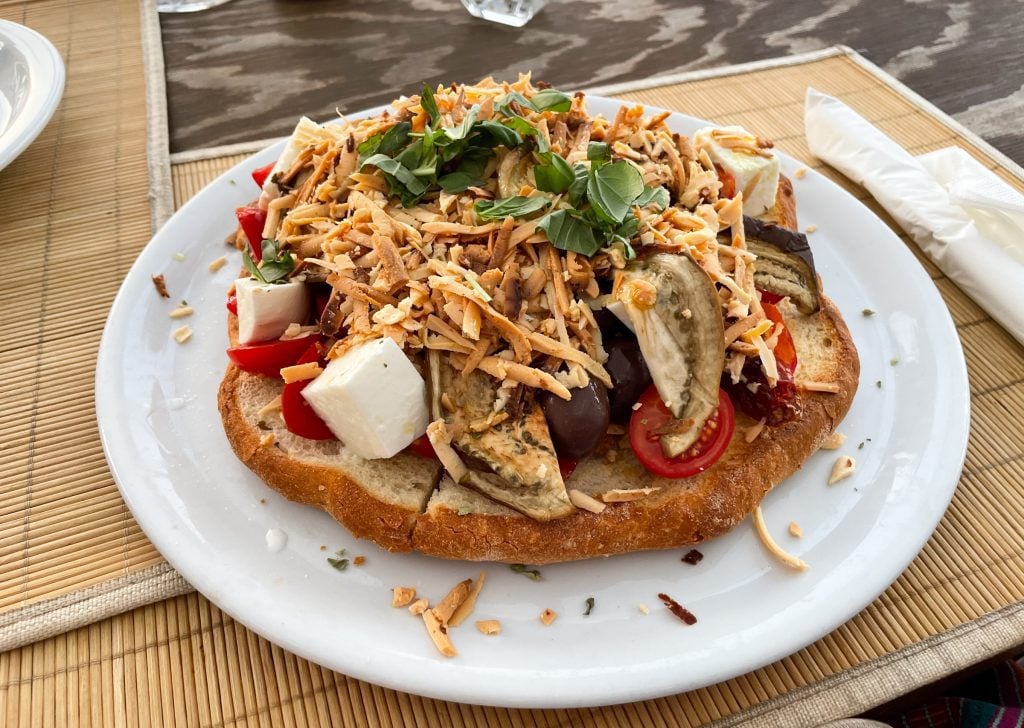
[(31, 84), (156, 404)]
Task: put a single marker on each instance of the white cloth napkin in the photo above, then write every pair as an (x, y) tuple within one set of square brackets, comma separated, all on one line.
[(966, 219)]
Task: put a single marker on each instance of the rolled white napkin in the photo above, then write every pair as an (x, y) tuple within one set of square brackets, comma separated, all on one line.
[(966, 219)]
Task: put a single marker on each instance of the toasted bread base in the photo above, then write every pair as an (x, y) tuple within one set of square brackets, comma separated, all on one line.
[(387, 501)]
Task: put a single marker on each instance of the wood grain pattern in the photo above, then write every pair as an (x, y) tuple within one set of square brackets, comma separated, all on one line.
[(248, 69)]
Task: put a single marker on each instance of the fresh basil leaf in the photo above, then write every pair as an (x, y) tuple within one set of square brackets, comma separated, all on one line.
[(397, 169), (612, 188), (550, 99), (499, 134), (627, 230), (579, 185), (599, 152), (521, 125), (462, 129), (469, 172), (505, 106), (554, 175), (657, 196), (393, 139), (517, 207), (567, 231), (370, 145), (250, 265), (429, 104)]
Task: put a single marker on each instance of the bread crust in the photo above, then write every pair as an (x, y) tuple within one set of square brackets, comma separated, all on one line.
[(683, 512)]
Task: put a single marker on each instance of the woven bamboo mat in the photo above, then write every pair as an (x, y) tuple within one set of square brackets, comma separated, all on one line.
[(74, 213), (182, 661)]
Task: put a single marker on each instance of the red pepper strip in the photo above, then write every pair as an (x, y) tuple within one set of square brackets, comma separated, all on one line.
[(260, 175), (271, 357), (252, 219)]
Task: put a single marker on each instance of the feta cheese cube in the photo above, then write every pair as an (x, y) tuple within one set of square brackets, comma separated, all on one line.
[(372, 398), (266, 309), (757, 176)]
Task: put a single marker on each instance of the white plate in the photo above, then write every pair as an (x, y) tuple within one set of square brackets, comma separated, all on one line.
[(201, 507), (31, 84)]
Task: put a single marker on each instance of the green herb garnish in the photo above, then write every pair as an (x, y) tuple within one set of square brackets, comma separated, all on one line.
[(868, 312), (275, 267), (528, 573), (590, 606), (515, 206), (894, 362), (553, 174), (612, 189), (337, 562), (567, 231)]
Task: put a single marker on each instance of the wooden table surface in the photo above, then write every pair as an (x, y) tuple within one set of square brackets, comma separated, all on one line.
[(248, 69)]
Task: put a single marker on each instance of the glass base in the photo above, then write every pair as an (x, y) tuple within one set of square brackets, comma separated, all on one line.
[(187, 6), (516, 13)]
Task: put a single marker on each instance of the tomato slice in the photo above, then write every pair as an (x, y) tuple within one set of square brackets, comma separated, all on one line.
[(728, 182), (252, 219), (421, 446), (259, 176), (299, 417), (271, 357), (652, 415)]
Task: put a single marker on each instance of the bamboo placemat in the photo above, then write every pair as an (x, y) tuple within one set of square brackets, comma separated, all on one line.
[(184, 661)]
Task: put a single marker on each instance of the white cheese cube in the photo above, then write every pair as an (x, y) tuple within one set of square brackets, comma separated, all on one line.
[(266, 309), (373, 399), (306, 131), (618, 309), (757, 176)]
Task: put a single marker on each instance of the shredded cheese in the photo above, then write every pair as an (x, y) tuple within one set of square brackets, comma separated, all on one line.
[(181, 312), (624, 495), (273, 405), (402, 596), (466, 608), (216, 265), (833, 441), (769, 543), (488, 626), (754, 430), (794, 530), (842, 469), (301, 372), (548, 616), (182, 334), (581, 500)]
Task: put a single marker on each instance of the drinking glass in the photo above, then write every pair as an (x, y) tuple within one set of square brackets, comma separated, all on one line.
[(507, 12)]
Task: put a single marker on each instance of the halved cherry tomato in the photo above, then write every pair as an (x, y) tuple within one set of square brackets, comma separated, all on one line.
[(652, 415), (567, 467), (271, 357), (260, 175), (728, 182), (299, 417), (252, 218), (421, 446), (232, 303)]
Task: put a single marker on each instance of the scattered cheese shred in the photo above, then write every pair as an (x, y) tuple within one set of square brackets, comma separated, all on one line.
[(438, 633), (183, 334), (810, 228), (624, 495), (216, 265), (301, 372), (833, 441), (794, 530), (419, 606), (811, 386), (466, 608), (800, 173), (452, 601), (754, 430), (769, 543), (402, 596), (489, 626), (181, 312), (273, 405), (644, 609), (548, 616), (581, 500), (842, 468)]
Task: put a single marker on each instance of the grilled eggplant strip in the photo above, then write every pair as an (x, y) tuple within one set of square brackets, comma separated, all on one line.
[(680, 333), (785, 265)]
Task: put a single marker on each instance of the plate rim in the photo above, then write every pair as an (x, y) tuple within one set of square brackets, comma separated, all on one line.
[(385, 676), (43, 57)]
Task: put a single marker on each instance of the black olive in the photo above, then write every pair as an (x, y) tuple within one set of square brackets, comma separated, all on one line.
[(629, 374), (611, 327), (577, 425)]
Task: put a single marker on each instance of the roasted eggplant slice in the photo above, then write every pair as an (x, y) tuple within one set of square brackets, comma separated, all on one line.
[(784, 263), (680, 333), (513, 461)]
